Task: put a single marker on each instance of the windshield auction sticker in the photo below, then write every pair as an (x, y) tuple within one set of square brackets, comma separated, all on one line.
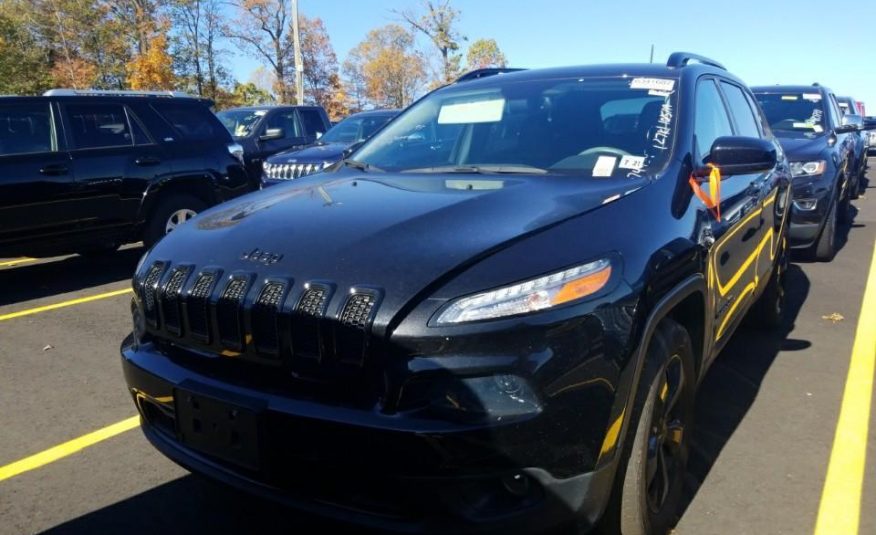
[(656, 84)]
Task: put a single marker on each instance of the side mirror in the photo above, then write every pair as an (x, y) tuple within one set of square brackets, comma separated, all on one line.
[(737, 155), (272, 133), (855, 120), (869, 123)]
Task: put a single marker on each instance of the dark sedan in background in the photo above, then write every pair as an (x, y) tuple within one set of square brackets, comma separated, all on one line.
[(327, 150)]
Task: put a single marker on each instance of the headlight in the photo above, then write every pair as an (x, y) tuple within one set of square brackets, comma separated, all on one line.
[(530, 296), (808, 168)]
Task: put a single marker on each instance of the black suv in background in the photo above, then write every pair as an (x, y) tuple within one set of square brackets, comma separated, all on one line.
[(808, 122), (356, 128), (85, 171), (493, 316), (851, 115), (266, 130)]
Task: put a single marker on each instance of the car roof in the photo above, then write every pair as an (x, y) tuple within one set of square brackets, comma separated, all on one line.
[(367, 113), (261, 107), (790, 89)]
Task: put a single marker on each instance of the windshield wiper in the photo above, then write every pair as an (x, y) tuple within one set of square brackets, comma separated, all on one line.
[(362, 166), (481, 170)]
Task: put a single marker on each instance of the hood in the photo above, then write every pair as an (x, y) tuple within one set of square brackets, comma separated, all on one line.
[(394, 233), (328, 152), (797, 148)]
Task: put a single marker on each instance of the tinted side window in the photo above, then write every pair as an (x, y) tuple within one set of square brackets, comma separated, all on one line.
[(710, 121), (313, 122), (192, 121), (98, 125), (287, 121), (741, 111), (834, 111), (137, 131), (25, 129)]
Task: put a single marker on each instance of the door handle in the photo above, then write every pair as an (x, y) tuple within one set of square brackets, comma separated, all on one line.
[(147, 161), (54, 170)]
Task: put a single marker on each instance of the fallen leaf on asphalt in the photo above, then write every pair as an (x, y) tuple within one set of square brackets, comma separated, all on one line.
[(48, 347), (834, 317)]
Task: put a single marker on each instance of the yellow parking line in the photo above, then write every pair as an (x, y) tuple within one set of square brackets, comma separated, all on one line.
[(67, 448), (17, 261), (840, 509), (63, 304)]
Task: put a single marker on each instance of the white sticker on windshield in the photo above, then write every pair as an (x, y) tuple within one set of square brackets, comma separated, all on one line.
[(259, 113), (655, 93), (604, 166), (659, 84), (818, 129), (632, 162), (481, 111), (804, 125), (814, 97), (789, 97)]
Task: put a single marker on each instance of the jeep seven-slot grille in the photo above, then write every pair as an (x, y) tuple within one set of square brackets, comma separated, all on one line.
[(228, 313), (150, 291), (313, 301), (265, 317), (196, 306), (170, 300)]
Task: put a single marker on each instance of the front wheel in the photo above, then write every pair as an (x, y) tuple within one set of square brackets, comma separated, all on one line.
[(769, 310), (169, 214), (825, 248), (651, 475)]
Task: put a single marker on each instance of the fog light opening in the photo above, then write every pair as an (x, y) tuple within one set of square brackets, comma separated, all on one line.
[(807, 205), (517, 484)]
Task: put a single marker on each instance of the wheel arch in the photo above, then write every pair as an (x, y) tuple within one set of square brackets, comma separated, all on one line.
[(201, 187)]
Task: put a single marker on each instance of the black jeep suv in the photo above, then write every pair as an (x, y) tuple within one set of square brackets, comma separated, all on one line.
[(266, 130), (820, 146), (493, 316), (85, 171)]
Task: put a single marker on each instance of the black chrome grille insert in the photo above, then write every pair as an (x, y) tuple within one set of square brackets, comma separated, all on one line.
[(228, 312), (170, 299), (357, 311), (354, 322), (150, 293), (265, 317), (196, 305), (307, 331)]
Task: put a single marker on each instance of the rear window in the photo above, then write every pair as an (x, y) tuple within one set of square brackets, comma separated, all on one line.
[(192, 121)]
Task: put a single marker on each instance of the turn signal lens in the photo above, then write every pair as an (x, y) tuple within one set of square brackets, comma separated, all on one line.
[(530, 296)]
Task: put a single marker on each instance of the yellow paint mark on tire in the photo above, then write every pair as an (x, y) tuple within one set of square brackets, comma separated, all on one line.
[(64, 304), (840, 509), (67, 448)]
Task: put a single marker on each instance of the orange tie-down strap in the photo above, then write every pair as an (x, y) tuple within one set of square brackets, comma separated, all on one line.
[(712, 200)]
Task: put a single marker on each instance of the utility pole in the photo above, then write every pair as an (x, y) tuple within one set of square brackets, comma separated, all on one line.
[(299, 64), (652, 54)]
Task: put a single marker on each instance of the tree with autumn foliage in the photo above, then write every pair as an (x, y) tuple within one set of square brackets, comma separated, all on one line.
[(484, 53), (392, 70), (437, 21), (152, 70), (321, 80), (262, 29)]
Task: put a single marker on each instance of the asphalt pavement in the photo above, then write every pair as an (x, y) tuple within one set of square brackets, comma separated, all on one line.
[(766, 417)]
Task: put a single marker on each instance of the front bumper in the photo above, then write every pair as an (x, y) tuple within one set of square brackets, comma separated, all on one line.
[(806, 225), (386, 472)]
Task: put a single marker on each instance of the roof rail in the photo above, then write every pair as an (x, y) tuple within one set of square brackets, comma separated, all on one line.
[(681, 59), (483, 73), (113, 93)]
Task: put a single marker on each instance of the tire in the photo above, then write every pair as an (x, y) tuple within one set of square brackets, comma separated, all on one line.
[(646, 498), (825, 248), (844, 209), (168, 208), (769, 310)]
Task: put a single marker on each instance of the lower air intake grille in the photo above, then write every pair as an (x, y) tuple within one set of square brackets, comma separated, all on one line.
[(265, 312), (150, 291), (170, 299), (357, 311), (197, 306), (228, 313)]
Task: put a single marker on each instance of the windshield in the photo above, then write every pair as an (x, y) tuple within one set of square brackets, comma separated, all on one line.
[(599, 127), (241, 123), (793, 114), (355, 128)]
